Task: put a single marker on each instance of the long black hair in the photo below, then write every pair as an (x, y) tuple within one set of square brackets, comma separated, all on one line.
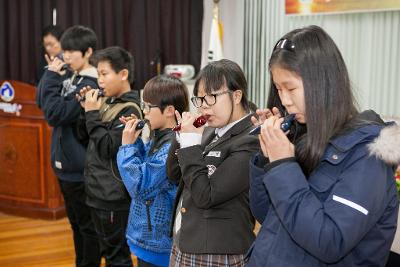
[(329, 102)]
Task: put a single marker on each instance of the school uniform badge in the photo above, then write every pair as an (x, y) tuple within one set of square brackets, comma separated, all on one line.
[(216, 154), (211, 169)]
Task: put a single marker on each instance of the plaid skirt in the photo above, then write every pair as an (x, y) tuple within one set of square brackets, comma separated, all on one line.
[(180, 259)]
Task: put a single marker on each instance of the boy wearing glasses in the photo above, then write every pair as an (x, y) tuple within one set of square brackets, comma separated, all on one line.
[(143, 170), (99, 125)]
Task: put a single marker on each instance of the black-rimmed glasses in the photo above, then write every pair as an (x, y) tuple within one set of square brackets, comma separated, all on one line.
[(210, 99), (146, 107), (285, 44)]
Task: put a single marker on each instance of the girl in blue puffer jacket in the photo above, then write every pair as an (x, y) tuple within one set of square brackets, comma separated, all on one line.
[(143, 171), (324, 190)]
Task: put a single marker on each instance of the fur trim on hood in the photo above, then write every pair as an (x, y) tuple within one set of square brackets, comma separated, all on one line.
[(387, 145)]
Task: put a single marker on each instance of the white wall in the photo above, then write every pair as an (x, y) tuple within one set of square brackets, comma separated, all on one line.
[(231, 14), (369, 42)]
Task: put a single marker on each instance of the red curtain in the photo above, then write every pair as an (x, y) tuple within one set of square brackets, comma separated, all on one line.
[(21, 24)]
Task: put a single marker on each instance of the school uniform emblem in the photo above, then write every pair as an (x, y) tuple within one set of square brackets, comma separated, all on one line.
[(211, 169)]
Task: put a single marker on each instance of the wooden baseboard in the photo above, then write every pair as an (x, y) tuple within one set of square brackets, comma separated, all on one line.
[(34, 212)]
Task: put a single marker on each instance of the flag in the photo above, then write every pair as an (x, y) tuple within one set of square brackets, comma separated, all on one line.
[(215, 44)]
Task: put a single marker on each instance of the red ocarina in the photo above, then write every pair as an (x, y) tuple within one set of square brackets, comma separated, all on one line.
[(200, 121)]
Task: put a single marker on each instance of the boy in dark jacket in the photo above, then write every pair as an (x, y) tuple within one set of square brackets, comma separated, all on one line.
[(56, 97), (100, 125)]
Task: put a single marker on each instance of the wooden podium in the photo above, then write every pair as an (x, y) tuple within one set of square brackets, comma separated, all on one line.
[(28, 186)]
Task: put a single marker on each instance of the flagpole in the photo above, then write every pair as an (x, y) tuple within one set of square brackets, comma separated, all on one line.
[(216, 9), (215, 51), (216, 17)]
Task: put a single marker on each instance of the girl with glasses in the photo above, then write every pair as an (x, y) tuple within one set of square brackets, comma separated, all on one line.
[(143, 171), (323, 191), (51, 37), (213, 225)]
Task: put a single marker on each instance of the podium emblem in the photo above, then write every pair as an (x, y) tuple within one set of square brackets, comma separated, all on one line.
[(7, 92)]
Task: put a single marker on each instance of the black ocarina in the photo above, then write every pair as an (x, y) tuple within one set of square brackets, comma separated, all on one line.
[(285, 125), (82, 99), (139, 126)]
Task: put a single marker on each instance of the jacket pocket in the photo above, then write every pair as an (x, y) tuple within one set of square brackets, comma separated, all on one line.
[(321, 183)]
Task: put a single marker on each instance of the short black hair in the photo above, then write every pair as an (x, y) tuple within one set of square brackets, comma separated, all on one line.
[(118, 58), (164, 90), (79, 38), (223, 72), (53, 30)]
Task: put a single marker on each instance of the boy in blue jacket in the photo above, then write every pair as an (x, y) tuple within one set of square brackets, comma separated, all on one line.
[(143, 171), (56, 97)]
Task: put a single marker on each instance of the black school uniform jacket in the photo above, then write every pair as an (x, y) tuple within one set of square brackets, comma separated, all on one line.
[(214, 186)]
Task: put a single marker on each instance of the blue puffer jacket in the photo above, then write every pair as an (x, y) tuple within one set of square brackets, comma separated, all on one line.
[(143, 171), (343, 214)]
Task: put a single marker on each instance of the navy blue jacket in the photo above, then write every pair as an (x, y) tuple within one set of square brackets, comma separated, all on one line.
[(56, 98), (343, 214)]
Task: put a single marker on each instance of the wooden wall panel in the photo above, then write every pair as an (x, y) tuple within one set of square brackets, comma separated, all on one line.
[(22, 162)]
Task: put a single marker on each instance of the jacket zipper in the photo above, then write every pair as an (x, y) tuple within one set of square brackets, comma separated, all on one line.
[(148, 204)]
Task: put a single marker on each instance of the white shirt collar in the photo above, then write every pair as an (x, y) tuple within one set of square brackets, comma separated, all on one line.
[(221, 131)]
